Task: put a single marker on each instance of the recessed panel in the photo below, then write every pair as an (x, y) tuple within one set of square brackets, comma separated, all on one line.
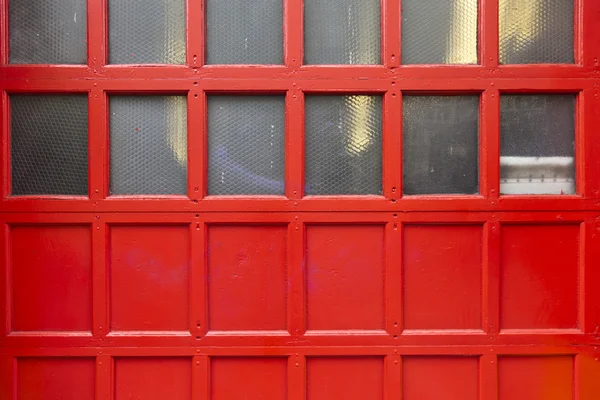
[(247, 277), (536, 32), (244, 32), (146, 32), (49, 144), (345, 277), (153, 378), (240, 378), (343, 145), (440, 378), (440, 144), (148, 145), (149, 278), (246, 136), (48, 32), (442, 277), (342, 32), (344, 378), (51, 268), (539, 276), (439, 32), (535, 378), (55, 378)]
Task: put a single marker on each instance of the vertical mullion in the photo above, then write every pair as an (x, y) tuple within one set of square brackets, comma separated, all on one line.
[(200, 378), (488, 33), (294, 144), (491, 278), (488, 377), (5, 280), (8, 377), (196, 32), (198, 280), (391, 22), (392, 144), (489, 144), (4, 32), (100, 285), (589, 276), (393, 377), (104, 377), (293, 28), (393, 276), (195, 142), (296, 377), (587, 151), (98, 185), (5, 174), (97, 17), (296, 278), (588, 15)]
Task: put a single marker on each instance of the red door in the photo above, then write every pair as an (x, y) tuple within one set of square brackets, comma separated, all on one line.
[(364, 199)]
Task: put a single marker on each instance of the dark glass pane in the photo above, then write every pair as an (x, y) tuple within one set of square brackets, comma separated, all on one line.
[(537, 135), (343, 145), (146, 32), (244, 32), (48, 32), (439, 31), (342, 32), (533, 32), (246, 145), (440, 144), (49, 144), (148, 145)]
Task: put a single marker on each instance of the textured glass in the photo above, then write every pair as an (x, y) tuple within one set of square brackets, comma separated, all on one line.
[(342, 32), (244, 32), (537, 134), (439, 31), (246, 145), (148, 145), (146, 32), (440, 154), (343, 145), (536, 31), (49, 144), (48, 32)]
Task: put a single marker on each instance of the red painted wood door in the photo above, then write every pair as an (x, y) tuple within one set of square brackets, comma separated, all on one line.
[(300, 199)]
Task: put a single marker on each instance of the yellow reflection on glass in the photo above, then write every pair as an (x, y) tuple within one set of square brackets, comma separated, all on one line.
[(176, 126), (359, 134), (536, 31)]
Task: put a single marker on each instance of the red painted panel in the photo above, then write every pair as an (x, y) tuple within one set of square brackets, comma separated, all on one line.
[(345, 277), (153, 378), (440, 378), (539, 276), (344, 378), (51, 278), (442, 277), (149, 278), (247, 270), (55, 378), (240, 378), (535, 378)]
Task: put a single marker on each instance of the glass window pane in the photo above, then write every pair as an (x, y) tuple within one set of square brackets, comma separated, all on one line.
[(246, 145), (537, 134), (48, 32), (533, 32), (342, 32), (440, 144), (146, 32), (244, 32), (439, 31), (49, 144), (148, 145), (343, 145)]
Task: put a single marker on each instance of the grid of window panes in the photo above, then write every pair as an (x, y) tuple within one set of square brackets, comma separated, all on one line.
[(344, 132)]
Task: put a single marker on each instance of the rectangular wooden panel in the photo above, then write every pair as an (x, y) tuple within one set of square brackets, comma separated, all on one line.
[(153, 378), (248, 378)]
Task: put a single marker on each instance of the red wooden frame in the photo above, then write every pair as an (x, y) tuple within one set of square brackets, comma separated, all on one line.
[(392, 211)]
